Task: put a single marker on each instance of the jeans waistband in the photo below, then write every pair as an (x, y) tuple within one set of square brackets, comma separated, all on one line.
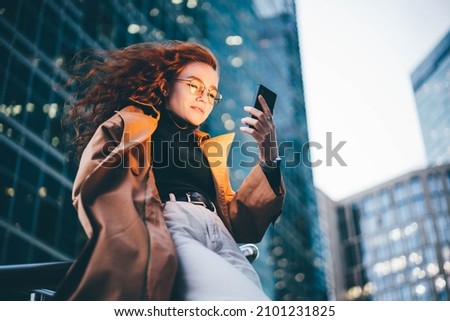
[(191, 197)]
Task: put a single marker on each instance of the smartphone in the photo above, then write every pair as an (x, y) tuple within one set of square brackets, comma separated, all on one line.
[(268, 95)]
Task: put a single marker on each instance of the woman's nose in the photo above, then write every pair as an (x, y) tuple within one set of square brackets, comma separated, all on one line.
[(203, 96)]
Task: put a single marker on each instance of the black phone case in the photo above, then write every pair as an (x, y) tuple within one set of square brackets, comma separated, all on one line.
[(268, 95)]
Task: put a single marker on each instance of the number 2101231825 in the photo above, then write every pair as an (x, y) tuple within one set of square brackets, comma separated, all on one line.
[(296, 311)]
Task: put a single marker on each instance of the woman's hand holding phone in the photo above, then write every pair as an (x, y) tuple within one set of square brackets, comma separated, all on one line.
[(260, 124)]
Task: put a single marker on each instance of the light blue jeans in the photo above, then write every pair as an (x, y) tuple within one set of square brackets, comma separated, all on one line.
[(210, 264)]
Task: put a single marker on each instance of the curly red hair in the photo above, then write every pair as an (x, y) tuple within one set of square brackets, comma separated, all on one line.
[(106, 80)]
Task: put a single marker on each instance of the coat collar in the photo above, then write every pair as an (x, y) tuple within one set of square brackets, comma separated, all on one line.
[(138, 128)]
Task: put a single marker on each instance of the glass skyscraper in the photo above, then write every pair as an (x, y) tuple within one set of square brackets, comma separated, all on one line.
[(431, 83), (254, 41), (394, 239)]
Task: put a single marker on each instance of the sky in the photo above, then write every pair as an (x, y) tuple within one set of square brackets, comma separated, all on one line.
[(357, 59)]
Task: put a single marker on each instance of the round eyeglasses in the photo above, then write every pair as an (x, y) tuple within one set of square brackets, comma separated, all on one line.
[(197, 87)]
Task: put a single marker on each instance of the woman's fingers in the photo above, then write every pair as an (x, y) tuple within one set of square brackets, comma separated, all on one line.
[(252, 132), (264, 120), (264, 106), (262, 129)]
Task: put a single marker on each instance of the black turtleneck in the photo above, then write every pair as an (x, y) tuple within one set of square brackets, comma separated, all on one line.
[(178, 163)]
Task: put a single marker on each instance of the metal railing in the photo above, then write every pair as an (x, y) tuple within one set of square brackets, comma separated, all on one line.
[(31, 282), (39, 281)]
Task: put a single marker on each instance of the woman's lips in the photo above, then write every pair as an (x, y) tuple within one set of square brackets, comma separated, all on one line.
[(198, 109)]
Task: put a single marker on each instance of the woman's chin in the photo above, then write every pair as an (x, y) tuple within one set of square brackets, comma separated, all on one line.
[(196, 122)]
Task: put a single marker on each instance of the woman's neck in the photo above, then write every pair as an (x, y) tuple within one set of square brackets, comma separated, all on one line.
[(178, 122)]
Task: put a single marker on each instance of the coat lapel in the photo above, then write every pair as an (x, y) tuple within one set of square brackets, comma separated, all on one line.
[(138, 130), (216, 150)]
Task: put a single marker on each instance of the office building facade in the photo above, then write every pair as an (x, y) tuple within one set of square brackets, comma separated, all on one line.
[(431, 84), (255, 42), (394, 239)]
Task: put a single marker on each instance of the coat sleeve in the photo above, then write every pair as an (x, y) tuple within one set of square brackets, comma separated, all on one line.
[(106, 138), (254, 206)]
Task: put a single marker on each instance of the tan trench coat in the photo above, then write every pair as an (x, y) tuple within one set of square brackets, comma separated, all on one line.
[(130, 254)]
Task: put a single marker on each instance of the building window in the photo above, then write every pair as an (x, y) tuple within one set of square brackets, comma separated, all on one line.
[(342, 223)]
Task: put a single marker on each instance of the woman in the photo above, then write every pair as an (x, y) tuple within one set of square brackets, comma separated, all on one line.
[(152, 191)]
